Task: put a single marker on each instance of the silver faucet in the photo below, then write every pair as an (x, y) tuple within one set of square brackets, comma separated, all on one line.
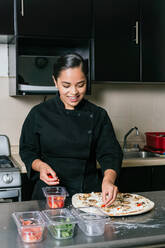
[(125, 137)]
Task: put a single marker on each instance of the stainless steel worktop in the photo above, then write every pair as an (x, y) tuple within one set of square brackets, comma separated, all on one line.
[(145, 229)]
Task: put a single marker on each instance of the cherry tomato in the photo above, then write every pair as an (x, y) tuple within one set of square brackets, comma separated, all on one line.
[(50, 176), (26, 222), (56, 201), (32, 234)]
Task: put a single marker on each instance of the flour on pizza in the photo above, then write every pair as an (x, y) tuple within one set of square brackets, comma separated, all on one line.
[(125, 203)]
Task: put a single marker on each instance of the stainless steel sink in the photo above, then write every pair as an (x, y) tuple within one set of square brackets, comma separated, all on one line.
[(138, 154)]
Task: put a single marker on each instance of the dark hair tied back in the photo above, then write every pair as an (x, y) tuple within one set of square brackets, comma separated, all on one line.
[(69, 61)]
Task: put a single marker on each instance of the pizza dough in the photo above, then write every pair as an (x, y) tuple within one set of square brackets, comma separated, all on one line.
[(124, 205)]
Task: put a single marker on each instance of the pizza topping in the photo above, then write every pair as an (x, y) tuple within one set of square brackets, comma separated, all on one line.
[(126, 195), (111, 206), (92, 200), (140, 204), (88, 195), (136, 198), (82, 197), (126, 207), (125, 203)]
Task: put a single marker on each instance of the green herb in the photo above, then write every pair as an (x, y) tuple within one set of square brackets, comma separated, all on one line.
[(62, 230)]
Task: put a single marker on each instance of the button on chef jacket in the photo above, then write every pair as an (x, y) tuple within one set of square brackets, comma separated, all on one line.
[(70, 141)]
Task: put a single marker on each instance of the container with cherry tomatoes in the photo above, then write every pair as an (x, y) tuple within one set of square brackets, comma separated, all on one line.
[(55, 196), (30, 225)]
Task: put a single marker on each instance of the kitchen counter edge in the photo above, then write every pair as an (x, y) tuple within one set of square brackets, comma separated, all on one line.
[(136, 162)]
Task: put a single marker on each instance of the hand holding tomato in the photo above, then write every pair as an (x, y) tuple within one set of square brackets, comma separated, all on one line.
[(47, 174)]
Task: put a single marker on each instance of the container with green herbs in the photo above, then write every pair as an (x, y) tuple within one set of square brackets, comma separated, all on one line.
[(60, 222)]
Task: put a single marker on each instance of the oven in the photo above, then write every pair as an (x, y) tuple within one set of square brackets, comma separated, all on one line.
[(10, 176)]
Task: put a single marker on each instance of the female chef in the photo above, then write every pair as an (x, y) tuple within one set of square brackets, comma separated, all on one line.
[(65, 136)]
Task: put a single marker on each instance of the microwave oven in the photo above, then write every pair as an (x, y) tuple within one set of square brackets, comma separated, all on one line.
[(31, 62), (35, 74)]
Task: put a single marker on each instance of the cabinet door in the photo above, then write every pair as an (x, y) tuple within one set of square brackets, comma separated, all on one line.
[(135, 179), (153, 40), (158, 182), (7, 17), (54, 18), (116, 40)]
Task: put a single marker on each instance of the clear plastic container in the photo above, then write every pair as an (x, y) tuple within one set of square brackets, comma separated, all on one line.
[(90, 220), (55, 196), (30, 226), (60, 222)]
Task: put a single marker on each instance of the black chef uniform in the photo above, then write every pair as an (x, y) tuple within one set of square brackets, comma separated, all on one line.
[(70, 141)]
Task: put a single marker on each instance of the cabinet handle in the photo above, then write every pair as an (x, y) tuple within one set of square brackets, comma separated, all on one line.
[(137, 33), (22, 7)]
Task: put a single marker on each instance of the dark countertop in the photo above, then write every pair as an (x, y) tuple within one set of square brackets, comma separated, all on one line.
[(134, 231)]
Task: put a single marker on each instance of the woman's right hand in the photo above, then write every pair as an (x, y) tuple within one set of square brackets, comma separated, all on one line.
[(47, 174)]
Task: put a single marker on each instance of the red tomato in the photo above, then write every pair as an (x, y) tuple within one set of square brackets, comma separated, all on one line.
[(32, 234), (26, 222), (50, 176), (55, 201)]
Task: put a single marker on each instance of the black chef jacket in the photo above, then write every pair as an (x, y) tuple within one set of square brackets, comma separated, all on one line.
[(70, 141)]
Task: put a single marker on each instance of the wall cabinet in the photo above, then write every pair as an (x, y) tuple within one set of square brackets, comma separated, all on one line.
[(129, 40), (123, 41), (7, 17), (116, 40), (153, 40), (57, 18), (44, 30), (7, 20)]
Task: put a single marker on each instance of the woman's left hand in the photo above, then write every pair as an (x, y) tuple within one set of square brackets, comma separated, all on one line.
[(109, 190)]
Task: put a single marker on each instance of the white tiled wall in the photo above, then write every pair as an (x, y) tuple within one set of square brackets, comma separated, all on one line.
[(127, 105), (3, 60), (133, 105)]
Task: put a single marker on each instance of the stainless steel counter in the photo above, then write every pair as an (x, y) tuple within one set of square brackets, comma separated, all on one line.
[(135, 231)]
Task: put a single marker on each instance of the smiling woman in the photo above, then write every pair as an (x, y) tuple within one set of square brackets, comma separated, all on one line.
[(64, 136), (71, 84), (70, 79)]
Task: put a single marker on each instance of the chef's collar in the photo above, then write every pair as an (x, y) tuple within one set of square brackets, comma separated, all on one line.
[(61, 104)]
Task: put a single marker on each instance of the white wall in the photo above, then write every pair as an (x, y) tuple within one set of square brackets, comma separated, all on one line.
[(127, 105)]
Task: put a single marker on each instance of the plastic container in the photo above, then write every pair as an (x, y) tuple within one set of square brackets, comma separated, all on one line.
[(60, 222), (90, 220), (155, 140), (30, 226), (55, 196)]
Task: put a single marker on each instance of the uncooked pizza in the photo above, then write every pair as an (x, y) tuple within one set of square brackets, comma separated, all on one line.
[(125, 203)]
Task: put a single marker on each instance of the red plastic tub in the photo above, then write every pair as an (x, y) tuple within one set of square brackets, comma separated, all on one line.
[(155, 140)]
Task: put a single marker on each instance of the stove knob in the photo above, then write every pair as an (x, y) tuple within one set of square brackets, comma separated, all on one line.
[(7, 178)]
